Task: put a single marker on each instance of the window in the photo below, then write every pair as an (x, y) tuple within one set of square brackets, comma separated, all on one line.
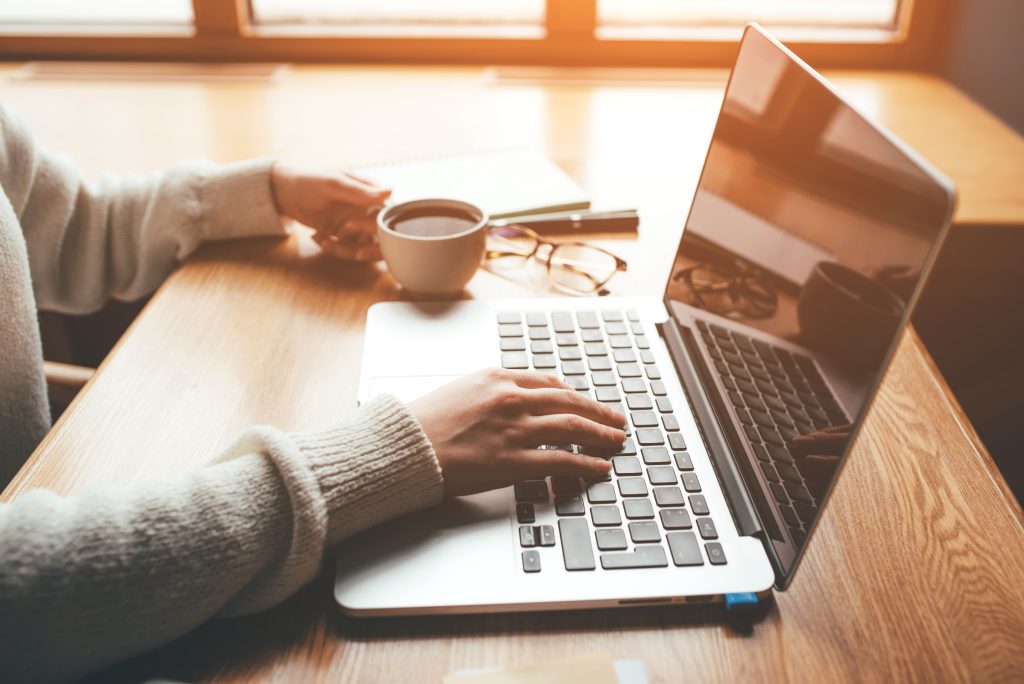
[(72, 14), (859, 33), (406, 16)]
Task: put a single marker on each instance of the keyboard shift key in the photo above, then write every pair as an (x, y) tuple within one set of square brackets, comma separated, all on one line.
[(577, 551), (684, 548), (515, 360), (646, 556)]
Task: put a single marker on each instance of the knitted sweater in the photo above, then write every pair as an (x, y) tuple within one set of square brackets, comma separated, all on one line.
[(95, 577)]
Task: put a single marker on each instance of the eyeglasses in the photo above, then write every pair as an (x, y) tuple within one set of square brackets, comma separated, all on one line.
[(738, 290), (572, 267)]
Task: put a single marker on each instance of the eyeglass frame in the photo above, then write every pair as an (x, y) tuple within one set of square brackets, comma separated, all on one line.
[(620, 264), (732, 273)]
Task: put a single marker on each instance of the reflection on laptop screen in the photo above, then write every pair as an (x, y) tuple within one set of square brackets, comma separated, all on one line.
[(809, 227)]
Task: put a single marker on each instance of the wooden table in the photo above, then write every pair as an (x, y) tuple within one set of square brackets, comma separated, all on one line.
[(917, 570)]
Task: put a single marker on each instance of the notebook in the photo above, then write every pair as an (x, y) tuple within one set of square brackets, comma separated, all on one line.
[(503, 183)]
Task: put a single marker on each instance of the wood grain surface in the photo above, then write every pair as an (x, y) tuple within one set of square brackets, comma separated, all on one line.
[(915, 573)]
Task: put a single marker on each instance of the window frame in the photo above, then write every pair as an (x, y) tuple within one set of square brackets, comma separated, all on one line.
[(223, 30)]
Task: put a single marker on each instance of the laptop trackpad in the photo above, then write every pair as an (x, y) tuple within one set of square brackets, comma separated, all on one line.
[(408, 387)]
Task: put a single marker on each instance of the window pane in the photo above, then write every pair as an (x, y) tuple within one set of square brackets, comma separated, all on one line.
[(795, 13), (390, 13), (95, 12)]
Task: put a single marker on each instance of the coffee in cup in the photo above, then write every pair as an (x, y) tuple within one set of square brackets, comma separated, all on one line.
[(433, 247)]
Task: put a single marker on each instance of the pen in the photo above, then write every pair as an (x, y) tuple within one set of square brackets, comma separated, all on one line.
[(620, 221)]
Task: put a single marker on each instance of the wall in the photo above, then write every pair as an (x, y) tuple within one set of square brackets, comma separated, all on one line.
[(984, 55)]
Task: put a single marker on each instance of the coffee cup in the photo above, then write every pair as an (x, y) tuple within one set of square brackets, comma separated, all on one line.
[(847, 315), (433, 247)]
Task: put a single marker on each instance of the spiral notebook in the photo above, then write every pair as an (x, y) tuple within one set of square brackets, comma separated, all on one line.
[(504, 183)]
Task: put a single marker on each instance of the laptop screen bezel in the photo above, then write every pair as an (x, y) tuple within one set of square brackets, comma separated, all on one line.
[(755, 32)]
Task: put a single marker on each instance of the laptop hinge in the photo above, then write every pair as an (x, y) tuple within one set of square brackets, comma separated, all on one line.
[(740, 504)]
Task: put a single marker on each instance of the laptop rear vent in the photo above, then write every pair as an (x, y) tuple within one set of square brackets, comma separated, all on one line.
[(644, 602)]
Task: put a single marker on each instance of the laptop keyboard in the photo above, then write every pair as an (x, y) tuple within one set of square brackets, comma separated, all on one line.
[(778, 395), (649, 511)]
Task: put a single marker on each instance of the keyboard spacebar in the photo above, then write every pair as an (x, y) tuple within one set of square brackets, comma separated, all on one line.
[(576, 549)]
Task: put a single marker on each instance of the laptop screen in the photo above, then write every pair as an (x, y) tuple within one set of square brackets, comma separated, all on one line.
[(808, 237)]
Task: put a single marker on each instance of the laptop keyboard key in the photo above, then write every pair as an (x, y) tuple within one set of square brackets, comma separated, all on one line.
[(805, 511), (626, 465), (545, 535), (675, 519), (600, 493), (655, 455), (569, 354), (638, 402), (531, 561), (611, 316), (676, 441), (644, 532), (642, 343), (577, 382), (638, 509), (527, 536), (619, 341), (544, 361), (573, 368), (707, 528), (669, 422), (562, 322), (624, 356), (684, 548), (569, 505), (647, 556), (593, 335), (587, 319), (699, 505), (658, 388), (608, 394), (610, 540), (633, 385), (599, 363), (789, 516), (515, 360), (798, 492), (524, 513), (649, 437), (667, 497), (605, 516), (652, 372), (788, 472), (615, 328), (510, 330), (603, 379), (779, 492), (531, 490), (577, 551), (542, 347), (642, 419), (628, 448), (511, 344), (632, 486), (683, 460), (715, 553), (661, 475), (769, 472)]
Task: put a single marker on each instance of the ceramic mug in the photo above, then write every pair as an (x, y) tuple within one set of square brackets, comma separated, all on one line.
[(433, 247)]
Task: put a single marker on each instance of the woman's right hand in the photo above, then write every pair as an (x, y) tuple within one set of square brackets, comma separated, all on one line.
[(485, 429)]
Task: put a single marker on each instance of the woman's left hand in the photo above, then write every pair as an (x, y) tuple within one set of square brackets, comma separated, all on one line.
[(339, 206)]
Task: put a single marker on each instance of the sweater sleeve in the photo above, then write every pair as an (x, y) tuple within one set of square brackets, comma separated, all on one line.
[(121, 236), (93, 578)]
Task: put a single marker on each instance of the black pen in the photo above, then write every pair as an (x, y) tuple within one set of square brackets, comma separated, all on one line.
[(620, 221)]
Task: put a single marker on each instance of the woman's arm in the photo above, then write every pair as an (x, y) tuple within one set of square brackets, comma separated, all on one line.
[(120, 237), (89, 579)]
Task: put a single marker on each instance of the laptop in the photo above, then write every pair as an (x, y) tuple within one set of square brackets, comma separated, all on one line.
[(745, 384)]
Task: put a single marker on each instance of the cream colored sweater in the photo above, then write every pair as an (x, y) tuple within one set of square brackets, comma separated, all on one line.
[(92, 578)]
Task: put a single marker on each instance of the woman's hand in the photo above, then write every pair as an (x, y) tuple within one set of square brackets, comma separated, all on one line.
[(340, 207), (486, 428)]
